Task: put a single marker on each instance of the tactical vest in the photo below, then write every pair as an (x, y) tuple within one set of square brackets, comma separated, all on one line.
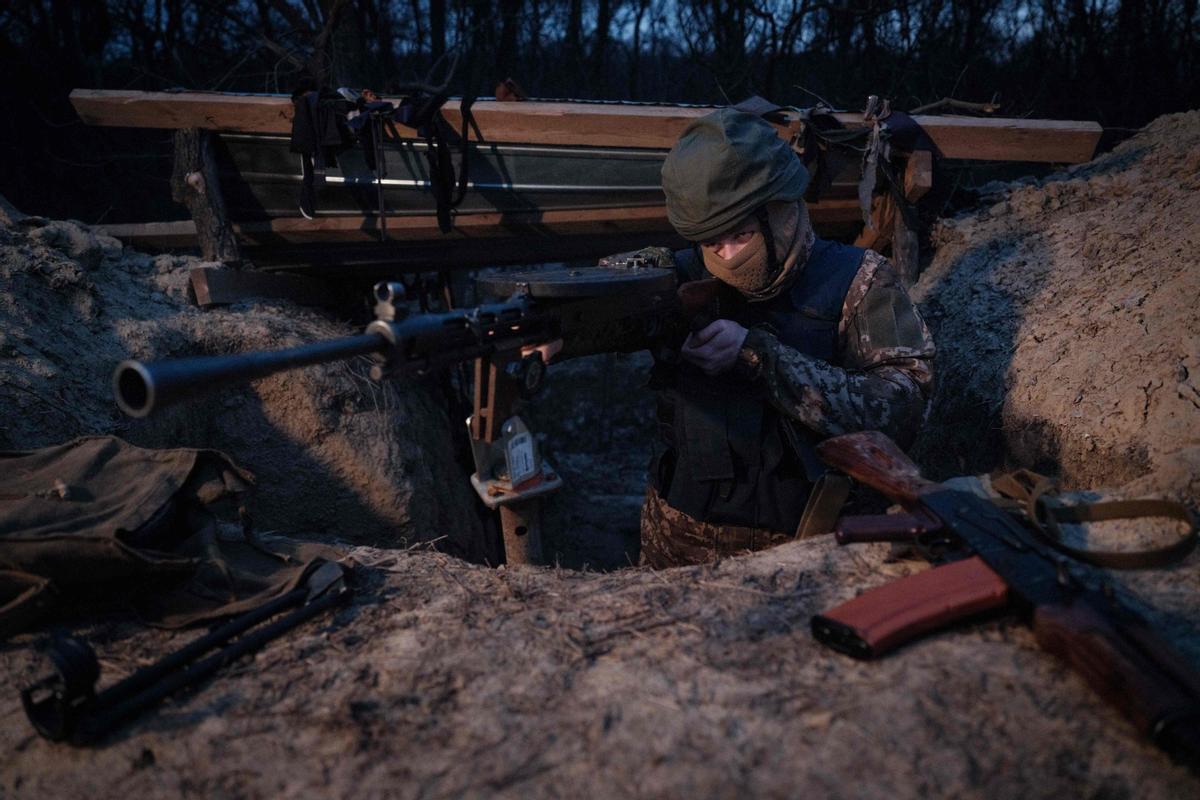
[(724, 454)]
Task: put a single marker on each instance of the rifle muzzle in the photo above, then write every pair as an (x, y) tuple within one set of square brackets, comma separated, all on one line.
[(142, 388)]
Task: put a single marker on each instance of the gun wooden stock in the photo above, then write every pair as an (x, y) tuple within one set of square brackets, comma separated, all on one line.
[(872, 458), (1129, 667), (882, 619)]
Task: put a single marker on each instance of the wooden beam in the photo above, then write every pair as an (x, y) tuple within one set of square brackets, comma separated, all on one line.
[(214, 286), (1002, 139), (581, 222), (580, 124), (906, 252)]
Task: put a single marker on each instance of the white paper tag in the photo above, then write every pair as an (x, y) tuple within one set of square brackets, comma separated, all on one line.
[(521, 464)]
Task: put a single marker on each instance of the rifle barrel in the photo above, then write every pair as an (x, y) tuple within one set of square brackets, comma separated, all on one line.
[(142, 388)]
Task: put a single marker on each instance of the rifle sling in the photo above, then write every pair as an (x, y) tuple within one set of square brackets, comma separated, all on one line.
[(1031, 489)]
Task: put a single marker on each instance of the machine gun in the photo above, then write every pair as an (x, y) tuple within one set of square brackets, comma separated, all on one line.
[(548, 316), (995, 561)]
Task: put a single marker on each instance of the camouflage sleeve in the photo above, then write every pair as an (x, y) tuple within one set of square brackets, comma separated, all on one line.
[(886, 377)]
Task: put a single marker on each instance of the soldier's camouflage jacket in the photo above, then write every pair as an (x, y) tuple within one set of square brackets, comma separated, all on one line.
[(884, 380)]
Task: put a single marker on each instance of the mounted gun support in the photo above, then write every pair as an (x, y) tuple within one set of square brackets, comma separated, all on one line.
[(549, 316)]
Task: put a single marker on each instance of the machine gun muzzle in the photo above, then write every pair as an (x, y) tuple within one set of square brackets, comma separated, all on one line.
[(141, 388)]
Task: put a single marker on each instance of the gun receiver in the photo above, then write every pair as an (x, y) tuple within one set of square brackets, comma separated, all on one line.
[(1074, 614), (422, 343)]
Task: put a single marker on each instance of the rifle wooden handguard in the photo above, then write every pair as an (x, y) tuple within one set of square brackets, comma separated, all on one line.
[(884, 618)]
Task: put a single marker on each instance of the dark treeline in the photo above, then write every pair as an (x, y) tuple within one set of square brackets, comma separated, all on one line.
[(1119, 62)]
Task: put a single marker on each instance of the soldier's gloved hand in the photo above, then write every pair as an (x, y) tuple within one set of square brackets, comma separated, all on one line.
[(714, 348)]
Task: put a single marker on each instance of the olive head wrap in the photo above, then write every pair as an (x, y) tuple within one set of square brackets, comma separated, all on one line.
[(725, 165)]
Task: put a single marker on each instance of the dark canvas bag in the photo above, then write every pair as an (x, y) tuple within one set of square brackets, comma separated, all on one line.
[(100, 518)]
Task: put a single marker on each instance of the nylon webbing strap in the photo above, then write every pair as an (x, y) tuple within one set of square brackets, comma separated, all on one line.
[(1031, 489)]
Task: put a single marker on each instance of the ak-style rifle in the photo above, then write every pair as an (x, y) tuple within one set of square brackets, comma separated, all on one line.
[(996, 561)]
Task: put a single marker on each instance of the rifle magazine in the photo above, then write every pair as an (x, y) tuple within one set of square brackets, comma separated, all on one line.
[(882, 619)]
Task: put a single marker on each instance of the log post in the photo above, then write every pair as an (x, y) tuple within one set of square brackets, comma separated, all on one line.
[(195, 184)]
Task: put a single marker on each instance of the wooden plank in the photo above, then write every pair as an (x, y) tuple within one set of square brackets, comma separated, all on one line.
[(157, 235), (591, 124), (1002, 139), (651, 219), (918, 175), (219, 111), (214, 286)]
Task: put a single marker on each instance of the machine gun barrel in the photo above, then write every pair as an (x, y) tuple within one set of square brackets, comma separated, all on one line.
[(141, 388), (417, 343)]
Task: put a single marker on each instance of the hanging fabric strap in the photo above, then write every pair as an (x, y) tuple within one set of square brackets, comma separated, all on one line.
[(1033, 492)]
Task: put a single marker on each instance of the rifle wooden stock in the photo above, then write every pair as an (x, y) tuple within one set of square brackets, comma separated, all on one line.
[(1131, 668), (875, 460)]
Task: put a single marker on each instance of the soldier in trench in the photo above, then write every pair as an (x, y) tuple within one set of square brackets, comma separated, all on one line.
[(824, 340)]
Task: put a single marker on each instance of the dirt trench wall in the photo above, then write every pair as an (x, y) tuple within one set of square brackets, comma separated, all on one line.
[(1067, 319), (445, 679), (73, 304)]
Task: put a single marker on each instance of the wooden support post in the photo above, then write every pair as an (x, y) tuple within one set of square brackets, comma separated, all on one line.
[(195, 184), (889, 225)]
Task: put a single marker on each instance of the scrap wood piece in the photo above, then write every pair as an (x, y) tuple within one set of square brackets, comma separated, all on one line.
[(583, 124), (424, 228), (918, 175), (214, 286)]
